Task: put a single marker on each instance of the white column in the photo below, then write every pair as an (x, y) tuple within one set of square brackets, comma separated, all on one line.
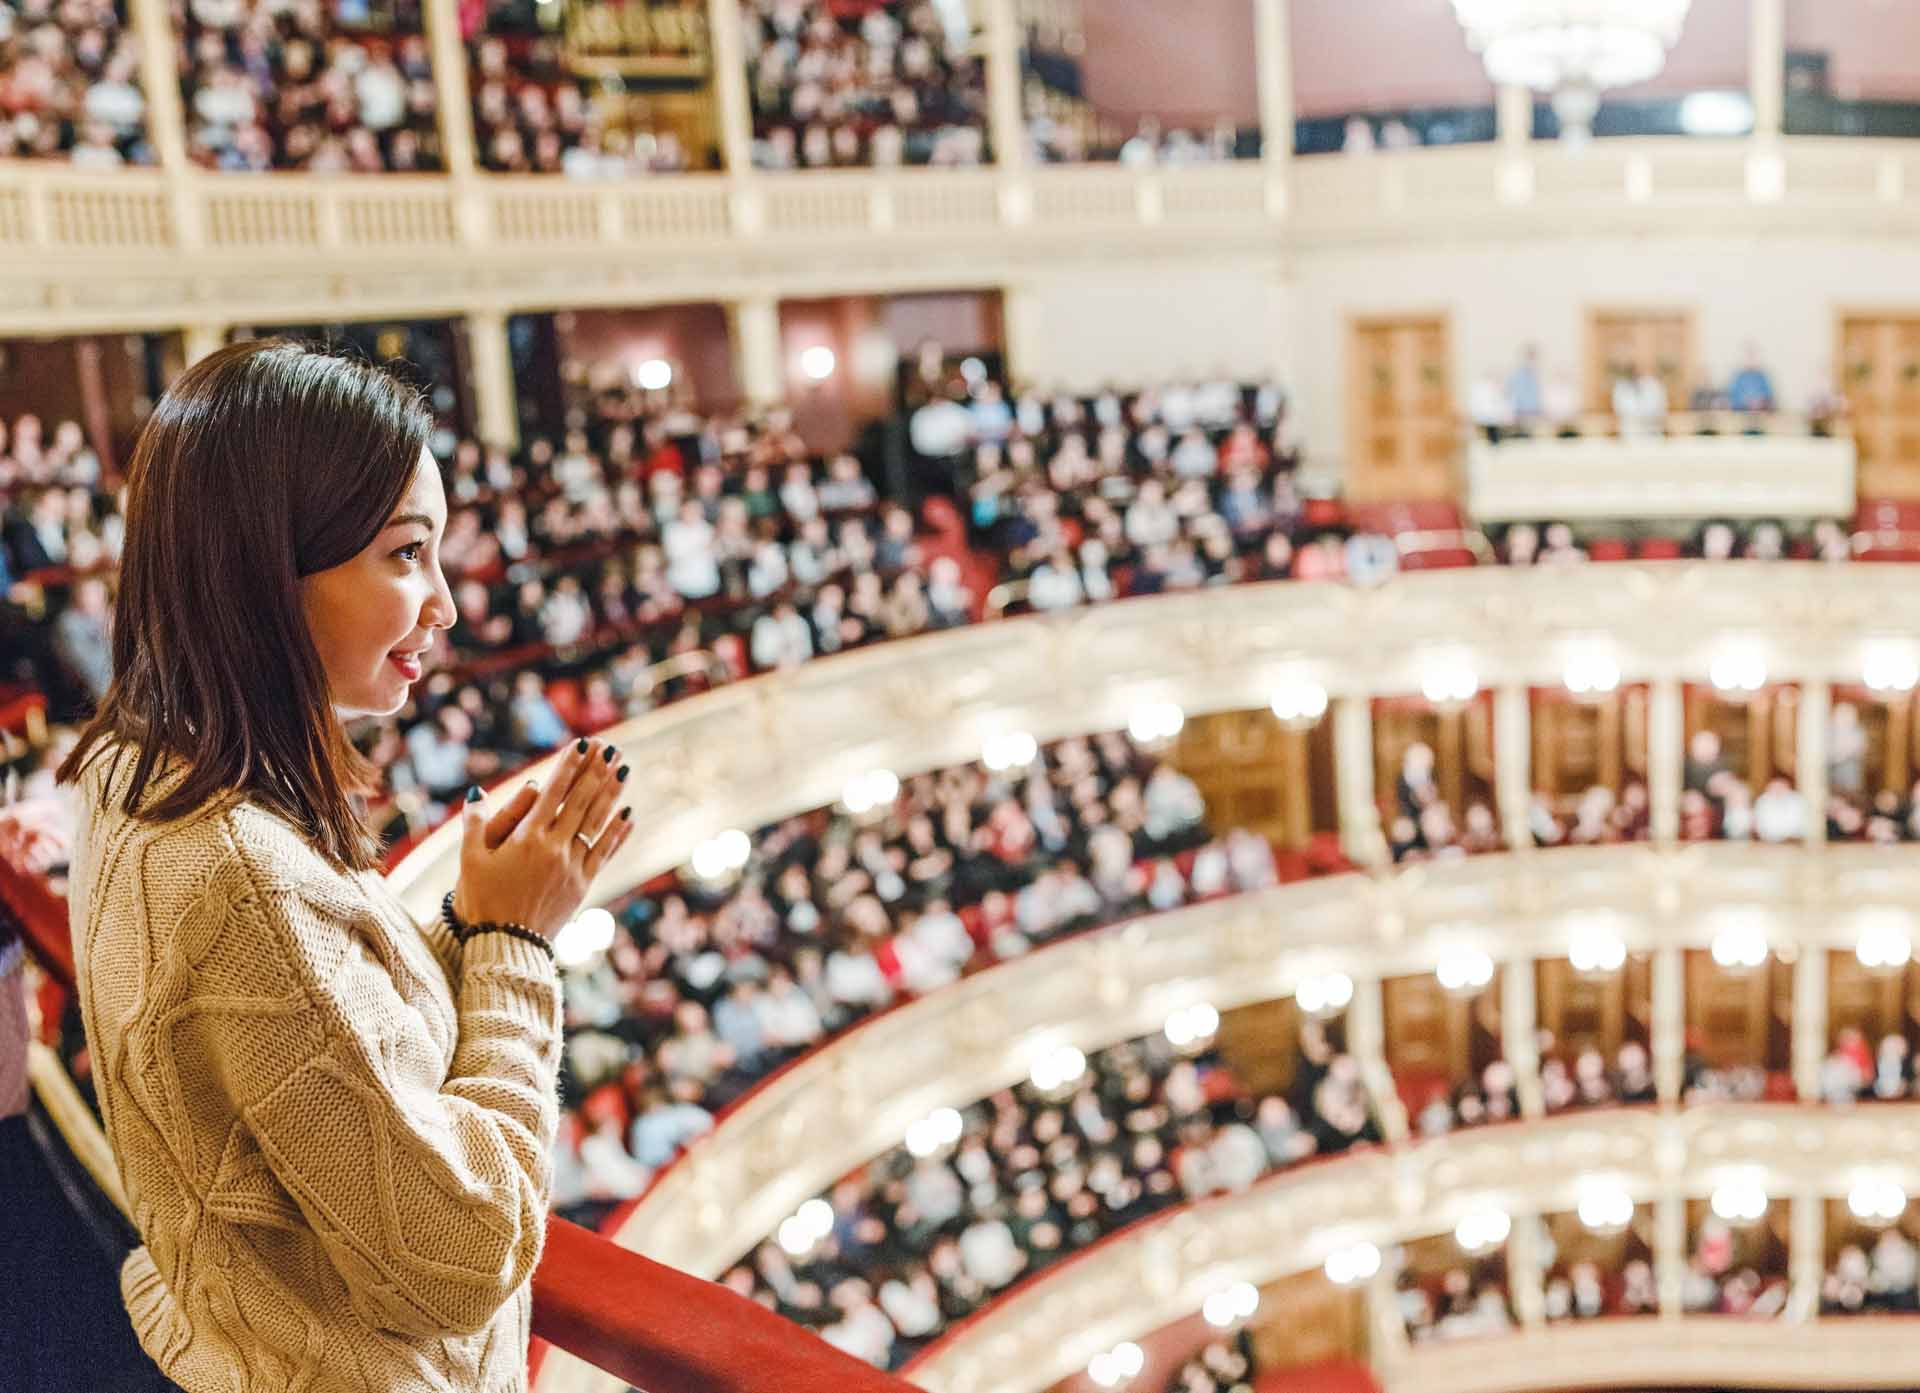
[(198, 340), (496, 402), (1273, 55), (1669, 1023), (1021, 329), (1513, 764), (1810, 747), (1006, 114), (1806, 1255), (1367, 1043), (1809, 1019), (166, 117), (754, 331), (1389, 1346), (1670, 1252), (1767, 57), (1666, 757), (1513, 116), (1519, 1032), (731, 98), (1353, 780), (449, 54), (1526, 1274)]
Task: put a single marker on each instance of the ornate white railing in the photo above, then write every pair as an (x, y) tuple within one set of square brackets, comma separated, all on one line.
[(139, 248)]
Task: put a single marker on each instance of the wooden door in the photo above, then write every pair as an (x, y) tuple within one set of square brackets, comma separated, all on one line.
[(1879, 370), (1461, 741), (1872, 1002), (1740, 1018), (1587, 742), (1254, 773), (1402, 432), (1306, 1320), (1635, 340)]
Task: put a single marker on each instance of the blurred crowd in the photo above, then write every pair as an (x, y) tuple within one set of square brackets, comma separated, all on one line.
[(340, 88), (836, 915), (839, 83), (926, 1235), (70, 84)]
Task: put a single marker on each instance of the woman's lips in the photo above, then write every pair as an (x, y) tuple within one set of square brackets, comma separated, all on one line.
[(409, 667)]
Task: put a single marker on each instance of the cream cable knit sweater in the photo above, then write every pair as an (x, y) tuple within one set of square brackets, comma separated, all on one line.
[(334, 1126)]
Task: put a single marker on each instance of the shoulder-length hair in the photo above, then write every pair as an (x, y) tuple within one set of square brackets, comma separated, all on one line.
[(265, 462)]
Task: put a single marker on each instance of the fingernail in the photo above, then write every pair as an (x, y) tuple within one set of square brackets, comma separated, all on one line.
[(626, 814), (581, 748), (608, 756), (473, 794), (621, 777)]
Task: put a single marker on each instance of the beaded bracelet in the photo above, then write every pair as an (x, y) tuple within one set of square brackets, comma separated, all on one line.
[(513, 930), (452, 920)]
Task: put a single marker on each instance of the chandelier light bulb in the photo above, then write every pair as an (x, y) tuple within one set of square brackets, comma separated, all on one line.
[(1741, 1200), (1890, 668), (1876, 1201), (1605, 1208), (1191, 1024), (1449, 682), (1299, 701), (1550, 44), (1596, 951), (1325, 994), (1464, 970), (1592, 673), (1738, 672), (1155, 722), (1883, 946), (1352, 1264), (1011, 749), (1740, 949)]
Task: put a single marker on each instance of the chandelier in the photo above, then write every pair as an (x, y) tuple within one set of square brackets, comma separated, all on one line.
[(1574, 49)]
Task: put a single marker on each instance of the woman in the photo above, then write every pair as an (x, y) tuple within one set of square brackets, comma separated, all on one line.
[(334, 1125)]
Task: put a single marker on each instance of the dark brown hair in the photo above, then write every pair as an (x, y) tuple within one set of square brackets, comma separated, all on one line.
[(265, 462)]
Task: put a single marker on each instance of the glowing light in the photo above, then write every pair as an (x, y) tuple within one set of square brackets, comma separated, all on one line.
[(817, 363), (1743, 947), (1155, 722), (1324, 994), (1741, 1199), (1876, 1201), (1057, 1068), (1483, 1232), (1883, 945), (589, 934), (1738, 671), (1299, 701), (654, 375), (1191, 1024), (1591, 672), (1596, 951), (877, 788), (1605, 1207), (721, 855), (1890, 668), (1464, 970), (1012, 749), (1231, 1304), (939, 1128), (1354, 1263), (1449, 681)]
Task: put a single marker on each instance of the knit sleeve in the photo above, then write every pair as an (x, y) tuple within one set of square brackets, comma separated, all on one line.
[(428, 1186)]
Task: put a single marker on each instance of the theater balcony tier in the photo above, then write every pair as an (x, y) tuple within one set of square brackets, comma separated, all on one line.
[(760, 750), (145, 249), (1139, 1279)]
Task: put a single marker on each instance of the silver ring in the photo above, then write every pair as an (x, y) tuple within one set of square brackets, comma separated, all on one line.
[(584, 840)]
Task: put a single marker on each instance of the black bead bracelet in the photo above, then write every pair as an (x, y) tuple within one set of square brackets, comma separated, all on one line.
[(452, 920)]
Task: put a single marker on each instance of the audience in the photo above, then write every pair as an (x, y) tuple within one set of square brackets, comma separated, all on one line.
[(1881, 1276), (871, 82), (920, 1239), (307, 86), (70, 84)]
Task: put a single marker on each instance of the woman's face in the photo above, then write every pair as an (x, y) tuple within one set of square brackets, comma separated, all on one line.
[(385, 601)]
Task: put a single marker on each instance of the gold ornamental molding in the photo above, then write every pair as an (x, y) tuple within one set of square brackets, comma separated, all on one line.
[(753, 752), (146, 249)]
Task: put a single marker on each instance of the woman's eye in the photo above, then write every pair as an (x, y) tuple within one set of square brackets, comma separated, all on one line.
[(411, 551)]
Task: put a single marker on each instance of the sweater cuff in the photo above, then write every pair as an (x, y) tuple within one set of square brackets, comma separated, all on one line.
[(519, 977)]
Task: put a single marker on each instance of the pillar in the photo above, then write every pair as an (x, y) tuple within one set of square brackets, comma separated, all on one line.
[(1519, 1027), (1767, 58), (1670, 1252), (732, 101), (1806, 1254), (1512, 764), (1353, 778), (1022, 332), (1526, 1273), (160, 83), (1367, 1043), (199, 340), (1810, 755), (449, 54), (1513, 116), (1006, 113), (758, 363), (1273, 57), (1666, 758), (1669, 1023), (1809, 1019), (496, 401), (1389, 1346)]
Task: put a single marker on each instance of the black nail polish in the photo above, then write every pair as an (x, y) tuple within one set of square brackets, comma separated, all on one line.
[(621, 777), (610, 753), (581, 748), (473, 794), (626, 814)]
